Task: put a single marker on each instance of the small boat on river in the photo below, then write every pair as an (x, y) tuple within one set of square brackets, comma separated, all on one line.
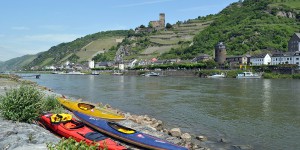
[(126, 134), (248, 75), (150, 74), (222, 75), (90, 109)]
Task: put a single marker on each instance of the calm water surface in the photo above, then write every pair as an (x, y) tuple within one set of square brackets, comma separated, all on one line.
[(262, 113)]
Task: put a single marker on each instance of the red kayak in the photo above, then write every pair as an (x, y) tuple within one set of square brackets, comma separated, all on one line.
[(65, 126)]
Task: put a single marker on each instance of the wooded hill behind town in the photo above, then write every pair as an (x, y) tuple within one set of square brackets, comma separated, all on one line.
[(249, 26)]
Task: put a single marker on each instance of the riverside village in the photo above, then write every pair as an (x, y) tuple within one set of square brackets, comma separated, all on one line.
[(227, 79)]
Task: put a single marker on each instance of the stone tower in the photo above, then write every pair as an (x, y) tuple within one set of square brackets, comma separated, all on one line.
[(162, 19), (220, 53)]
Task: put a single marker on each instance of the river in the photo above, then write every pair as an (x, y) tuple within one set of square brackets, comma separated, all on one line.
[(263, 113)]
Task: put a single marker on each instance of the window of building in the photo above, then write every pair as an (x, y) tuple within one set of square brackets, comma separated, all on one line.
[(297, 58)]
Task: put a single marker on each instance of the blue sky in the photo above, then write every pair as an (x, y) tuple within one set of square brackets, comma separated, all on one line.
[(33, 26)]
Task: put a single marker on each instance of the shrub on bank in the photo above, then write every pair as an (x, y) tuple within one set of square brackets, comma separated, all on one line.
[(51, 104), (21, 104), (71, 144), (26, 103)]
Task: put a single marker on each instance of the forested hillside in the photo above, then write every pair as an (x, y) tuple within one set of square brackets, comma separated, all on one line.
[(56, 53), (247, 27)]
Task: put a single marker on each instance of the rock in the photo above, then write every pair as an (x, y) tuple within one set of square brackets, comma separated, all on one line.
[(175, 132), (157, 126), (139, 119), (201, 138), (186, 137), (147, 118), (23, 135)]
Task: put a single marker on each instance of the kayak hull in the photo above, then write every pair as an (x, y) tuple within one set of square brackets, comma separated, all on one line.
[(79, 132), (128, 135), (89, 109)]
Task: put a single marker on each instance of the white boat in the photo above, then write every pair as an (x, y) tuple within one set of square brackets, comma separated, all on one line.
[(248, 75), (152, 74), (117, 73), (222, 75), (74, 73)]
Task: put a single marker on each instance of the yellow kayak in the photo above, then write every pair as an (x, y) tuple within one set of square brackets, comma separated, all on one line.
[(90, 109)]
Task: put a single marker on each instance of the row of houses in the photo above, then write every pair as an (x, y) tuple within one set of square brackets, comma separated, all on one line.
[(275, 58)]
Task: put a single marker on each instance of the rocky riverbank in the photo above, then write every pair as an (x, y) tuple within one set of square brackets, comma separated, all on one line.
[(17, 136)]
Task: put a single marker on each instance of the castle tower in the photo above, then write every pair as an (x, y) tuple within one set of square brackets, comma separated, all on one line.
[(162, 19), (220, 53)]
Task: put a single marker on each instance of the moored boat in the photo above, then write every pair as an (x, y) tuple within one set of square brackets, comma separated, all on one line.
[(248, 75), (64, 125), (128, 135), (90, 109), (152, 74), (222, 75)]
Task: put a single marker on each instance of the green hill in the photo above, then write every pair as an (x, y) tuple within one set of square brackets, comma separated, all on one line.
[(17, 63), (72, 51), (249, 26), (246, 27)]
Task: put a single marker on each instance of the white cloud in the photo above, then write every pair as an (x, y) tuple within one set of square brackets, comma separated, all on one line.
[(142, 3), (52, 37), (20, 28)]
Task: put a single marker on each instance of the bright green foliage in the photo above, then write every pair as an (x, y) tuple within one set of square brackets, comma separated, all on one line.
[(26, 103), (106, 56), (244, 27), (51, 104), (71, 144), (21, 104)]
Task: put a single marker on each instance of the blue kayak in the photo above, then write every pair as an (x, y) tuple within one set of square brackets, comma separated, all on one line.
[(126, 134)]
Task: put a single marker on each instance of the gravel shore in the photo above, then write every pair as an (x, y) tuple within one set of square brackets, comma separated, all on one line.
[(23, 136)]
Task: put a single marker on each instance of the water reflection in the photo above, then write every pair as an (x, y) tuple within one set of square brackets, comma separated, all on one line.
[(267, 86)]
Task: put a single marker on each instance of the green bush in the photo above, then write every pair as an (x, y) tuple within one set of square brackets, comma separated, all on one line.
[(70, 144), (21, 104), (51, 104), (296, 76)]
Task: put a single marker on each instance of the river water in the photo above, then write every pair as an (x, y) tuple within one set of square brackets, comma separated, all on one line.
[(262, 113)]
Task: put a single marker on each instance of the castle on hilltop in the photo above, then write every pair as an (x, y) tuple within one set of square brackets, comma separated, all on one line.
[(159, 24)]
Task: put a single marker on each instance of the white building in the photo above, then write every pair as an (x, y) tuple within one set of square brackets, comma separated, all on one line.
[(286, 58), (91, 64), (263, 59)]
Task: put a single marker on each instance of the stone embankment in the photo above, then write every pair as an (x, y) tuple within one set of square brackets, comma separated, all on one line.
[(23, 136)]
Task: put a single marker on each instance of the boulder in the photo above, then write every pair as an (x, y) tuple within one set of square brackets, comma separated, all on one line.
[(175, 132), (186, 137), (139, 119)]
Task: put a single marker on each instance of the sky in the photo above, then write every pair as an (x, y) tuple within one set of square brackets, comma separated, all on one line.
[(33, 26)]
